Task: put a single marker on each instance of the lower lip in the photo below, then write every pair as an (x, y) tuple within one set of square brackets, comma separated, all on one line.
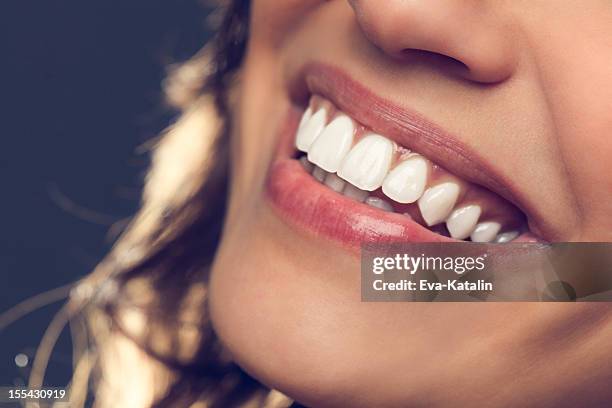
[(305, 203)]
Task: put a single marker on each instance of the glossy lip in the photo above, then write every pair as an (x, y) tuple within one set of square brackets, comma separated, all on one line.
[(302, 201), (411, 130)]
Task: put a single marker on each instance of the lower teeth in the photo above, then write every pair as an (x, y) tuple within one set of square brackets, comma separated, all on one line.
[(353, 192), (334, 182), (339, 185), (379, 203)]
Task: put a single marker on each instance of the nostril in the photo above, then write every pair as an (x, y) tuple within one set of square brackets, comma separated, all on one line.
[(463, 38), (436, 60)]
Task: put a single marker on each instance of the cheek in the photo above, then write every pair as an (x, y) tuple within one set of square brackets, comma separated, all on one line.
[(272, 20), (256, 125), (579, 96), (262, 101)]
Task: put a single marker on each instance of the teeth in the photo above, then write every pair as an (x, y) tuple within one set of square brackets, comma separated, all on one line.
[(319, 173), (353, 192), (406, 182), (305, 118), (334, 182), (379, 203), (355, 168), (506, 237), (437, 202), (462, 221), (310, 127), (367, 164), (435, 205), (308, 166), (332, 145), (485, 231)]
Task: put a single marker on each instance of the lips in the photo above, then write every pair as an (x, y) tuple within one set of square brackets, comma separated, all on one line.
[(306, 203), (356, 183)]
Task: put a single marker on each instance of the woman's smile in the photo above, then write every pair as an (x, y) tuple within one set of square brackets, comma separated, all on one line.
[(409, 196)]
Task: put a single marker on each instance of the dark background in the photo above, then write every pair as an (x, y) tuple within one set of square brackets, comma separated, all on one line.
[(79, 92)]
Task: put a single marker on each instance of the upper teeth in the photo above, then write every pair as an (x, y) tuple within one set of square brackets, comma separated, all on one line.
[(309, 128), (406, 182), (437, 202), (367, 161), (462, 221), (367, 164), (332, 144), (485, 232)]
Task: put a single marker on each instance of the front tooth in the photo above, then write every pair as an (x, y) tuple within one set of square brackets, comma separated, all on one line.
[(462, 221), (310, 127), (406, 182), (485, 231), (332, 145), (334, 182), (353, 192), (379, 203), (319, 174), (368, 162), (506, 237), (437, 202)]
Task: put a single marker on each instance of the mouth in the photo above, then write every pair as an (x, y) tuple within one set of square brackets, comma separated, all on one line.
[(353, 176)]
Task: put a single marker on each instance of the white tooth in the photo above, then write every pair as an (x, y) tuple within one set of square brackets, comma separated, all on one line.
[(378, 203), (406, 182), (506, 237), (310, 127), (368, 162), (462, 221), (437, 202), (308, 166), (485, 231), (334, 182), (305, 117), (329, 149), (353, 192), (319, 173)]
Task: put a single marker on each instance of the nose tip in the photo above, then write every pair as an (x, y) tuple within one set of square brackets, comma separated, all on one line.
[(471, 41)]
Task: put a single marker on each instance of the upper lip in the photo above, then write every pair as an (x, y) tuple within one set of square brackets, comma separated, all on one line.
[(409, 129)]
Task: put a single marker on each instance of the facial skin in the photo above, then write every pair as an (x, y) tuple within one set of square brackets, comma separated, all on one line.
[(524, 84)]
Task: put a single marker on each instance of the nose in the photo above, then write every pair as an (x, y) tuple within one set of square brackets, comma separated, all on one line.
[(472, 40)]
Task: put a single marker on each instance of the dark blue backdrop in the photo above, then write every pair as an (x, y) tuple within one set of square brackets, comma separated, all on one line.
[(79, 91)]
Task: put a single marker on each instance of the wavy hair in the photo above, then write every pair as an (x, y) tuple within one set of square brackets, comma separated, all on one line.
[(141, 331)]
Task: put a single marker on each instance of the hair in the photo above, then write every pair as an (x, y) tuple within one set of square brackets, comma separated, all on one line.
[(146, 337)]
